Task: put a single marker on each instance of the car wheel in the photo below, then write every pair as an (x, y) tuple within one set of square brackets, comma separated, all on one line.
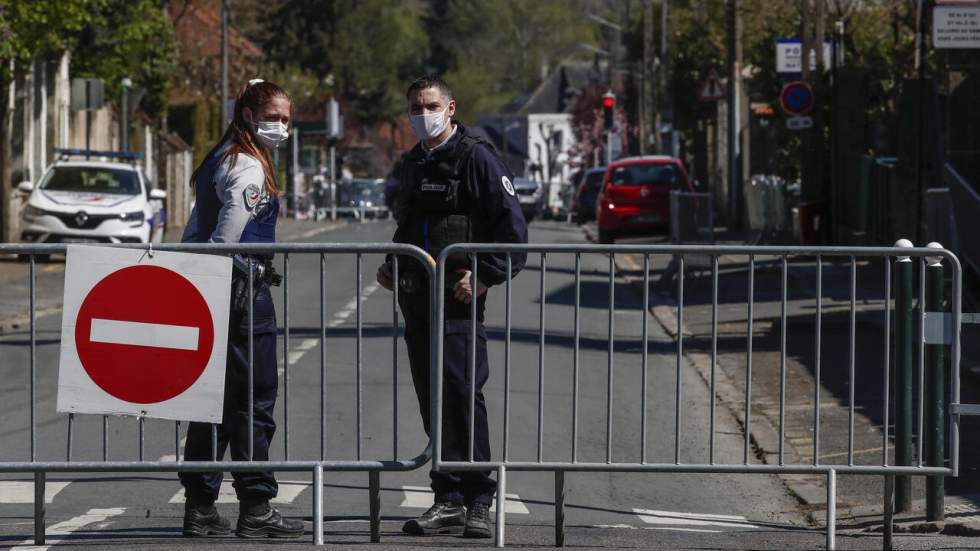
[(606, 237)]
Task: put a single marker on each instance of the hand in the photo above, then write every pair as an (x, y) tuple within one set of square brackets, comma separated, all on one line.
[(463, 290), (384, 276)]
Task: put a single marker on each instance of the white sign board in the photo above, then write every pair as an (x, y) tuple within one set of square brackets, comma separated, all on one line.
[(956, 27), (789, 53), (144, 335), (799, 123)]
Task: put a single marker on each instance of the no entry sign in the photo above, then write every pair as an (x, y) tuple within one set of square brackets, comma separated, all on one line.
[(144, 336), (796, 98)]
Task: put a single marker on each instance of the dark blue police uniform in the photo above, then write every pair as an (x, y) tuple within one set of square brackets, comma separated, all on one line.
[(234, 428), (460, 192)]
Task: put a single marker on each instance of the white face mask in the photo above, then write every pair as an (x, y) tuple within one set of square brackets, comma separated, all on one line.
[(429, 125), (271, 134)]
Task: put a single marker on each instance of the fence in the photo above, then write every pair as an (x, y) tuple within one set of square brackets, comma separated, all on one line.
[(902, 257), (313, 465)]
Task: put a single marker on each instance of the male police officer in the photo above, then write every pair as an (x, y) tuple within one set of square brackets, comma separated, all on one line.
[(454, 189)]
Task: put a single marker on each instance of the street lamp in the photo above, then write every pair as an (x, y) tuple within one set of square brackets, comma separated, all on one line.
[(126, 84)]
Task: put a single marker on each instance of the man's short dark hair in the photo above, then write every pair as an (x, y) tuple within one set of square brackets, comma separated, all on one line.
[(429, 81)]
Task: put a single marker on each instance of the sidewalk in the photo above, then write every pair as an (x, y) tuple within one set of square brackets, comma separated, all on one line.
[(857, 496)]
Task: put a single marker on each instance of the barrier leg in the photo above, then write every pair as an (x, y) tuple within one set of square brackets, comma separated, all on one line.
[(374, 489), (831, 508), (886, 543), (559, 508), (39, 481), (501, 505), (318, 505)]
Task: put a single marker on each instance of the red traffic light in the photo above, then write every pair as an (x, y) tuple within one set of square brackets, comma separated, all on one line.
[(609, 101)]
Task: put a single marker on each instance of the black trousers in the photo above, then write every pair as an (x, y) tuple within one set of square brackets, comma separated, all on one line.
[(466, 487), (234, 431)]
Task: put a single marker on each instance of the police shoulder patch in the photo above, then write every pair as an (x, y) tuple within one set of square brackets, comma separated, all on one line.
[(508, 186), (252, 195)]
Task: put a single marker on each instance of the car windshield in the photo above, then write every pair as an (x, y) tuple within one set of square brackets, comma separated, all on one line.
[(92, 180), (641, 174)]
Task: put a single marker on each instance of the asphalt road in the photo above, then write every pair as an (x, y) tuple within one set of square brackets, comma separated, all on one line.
[(663, 511)]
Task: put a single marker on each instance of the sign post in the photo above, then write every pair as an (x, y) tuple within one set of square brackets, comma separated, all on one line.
[(144, 335)]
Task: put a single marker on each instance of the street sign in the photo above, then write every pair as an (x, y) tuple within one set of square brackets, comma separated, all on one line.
[(789, 53), (711, 88), (144, 335), (796, 98), (799, 123), (956, 27)]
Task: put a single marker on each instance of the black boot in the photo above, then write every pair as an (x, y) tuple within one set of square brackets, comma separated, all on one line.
[(203, 520), (443, 516), (256, 519), (477, 522)]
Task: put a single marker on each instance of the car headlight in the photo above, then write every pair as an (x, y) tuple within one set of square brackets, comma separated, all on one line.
[(135, 216), (31, 211)]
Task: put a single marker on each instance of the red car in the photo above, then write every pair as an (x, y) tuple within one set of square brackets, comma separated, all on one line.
[(635, 196)]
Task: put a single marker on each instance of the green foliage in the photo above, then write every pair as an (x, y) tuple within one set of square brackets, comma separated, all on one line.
[(129, 39), (499, 47), (39, 27)]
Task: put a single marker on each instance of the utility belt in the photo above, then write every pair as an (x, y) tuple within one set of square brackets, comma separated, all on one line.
[(262, 272), (411, 283)]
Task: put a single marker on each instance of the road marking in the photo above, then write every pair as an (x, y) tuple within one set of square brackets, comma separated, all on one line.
[(288, 492), (65, 528), (171, 457), (316, 231), (22, 491), (135, 333), (420, 497), (338, 319), (844, 454), (631, 527), (674, 518)]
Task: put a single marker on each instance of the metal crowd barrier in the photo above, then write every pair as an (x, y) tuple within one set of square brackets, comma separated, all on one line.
[(373, 467), (848, 254)]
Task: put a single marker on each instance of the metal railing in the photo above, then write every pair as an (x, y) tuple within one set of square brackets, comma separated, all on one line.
[(847, 256), (314, 465)]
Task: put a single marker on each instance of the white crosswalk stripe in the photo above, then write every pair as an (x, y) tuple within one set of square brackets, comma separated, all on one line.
[(288, 492), (65, 528), (22, 491), (675, 519), (420, 497)]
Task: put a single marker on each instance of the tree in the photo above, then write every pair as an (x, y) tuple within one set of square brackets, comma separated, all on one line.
[(129, 39)]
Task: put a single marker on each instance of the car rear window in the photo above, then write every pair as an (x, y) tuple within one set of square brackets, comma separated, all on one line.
[(643, 174), (594, 179), (92, 179)]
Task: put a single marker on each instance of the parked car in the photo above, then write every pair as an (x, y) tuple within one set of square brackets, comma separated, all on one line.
[(93, 202), (530, 195), (362, 195), (587, 193), (635, 196)]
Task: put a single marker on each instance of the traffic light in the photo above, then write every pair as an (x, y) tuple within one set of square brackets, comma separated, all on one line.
[(608, 107)]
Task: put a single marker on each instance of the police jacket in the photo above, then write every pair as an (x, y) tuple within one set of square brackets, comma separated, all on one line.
[(456, 193), (232, 204)]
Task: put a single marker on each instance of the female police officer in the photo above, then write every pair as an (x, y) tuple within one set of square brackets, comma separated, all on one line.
[(237, 202)]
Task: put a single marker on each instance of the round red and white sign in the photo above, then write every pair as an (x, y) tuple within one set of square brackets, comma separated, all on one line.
[(148, 350)]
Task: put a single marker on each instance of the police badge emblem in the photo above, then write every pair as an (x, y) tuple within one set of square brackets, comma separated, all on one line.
[(252, 195), (508, 187)]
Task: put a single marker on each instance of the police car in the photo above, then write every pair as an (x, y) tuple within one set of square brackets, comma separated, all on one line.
[(93, 201)]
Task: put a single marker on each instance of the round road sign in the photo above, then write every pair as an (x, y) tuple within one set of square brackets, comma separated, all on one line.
[(796, 98), (144, 334)]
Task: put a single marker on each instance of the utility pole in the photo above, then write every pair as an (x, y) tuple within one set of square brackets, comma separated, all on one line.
[(225, 115), (646, 74), (734, 110), (666, 105)]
